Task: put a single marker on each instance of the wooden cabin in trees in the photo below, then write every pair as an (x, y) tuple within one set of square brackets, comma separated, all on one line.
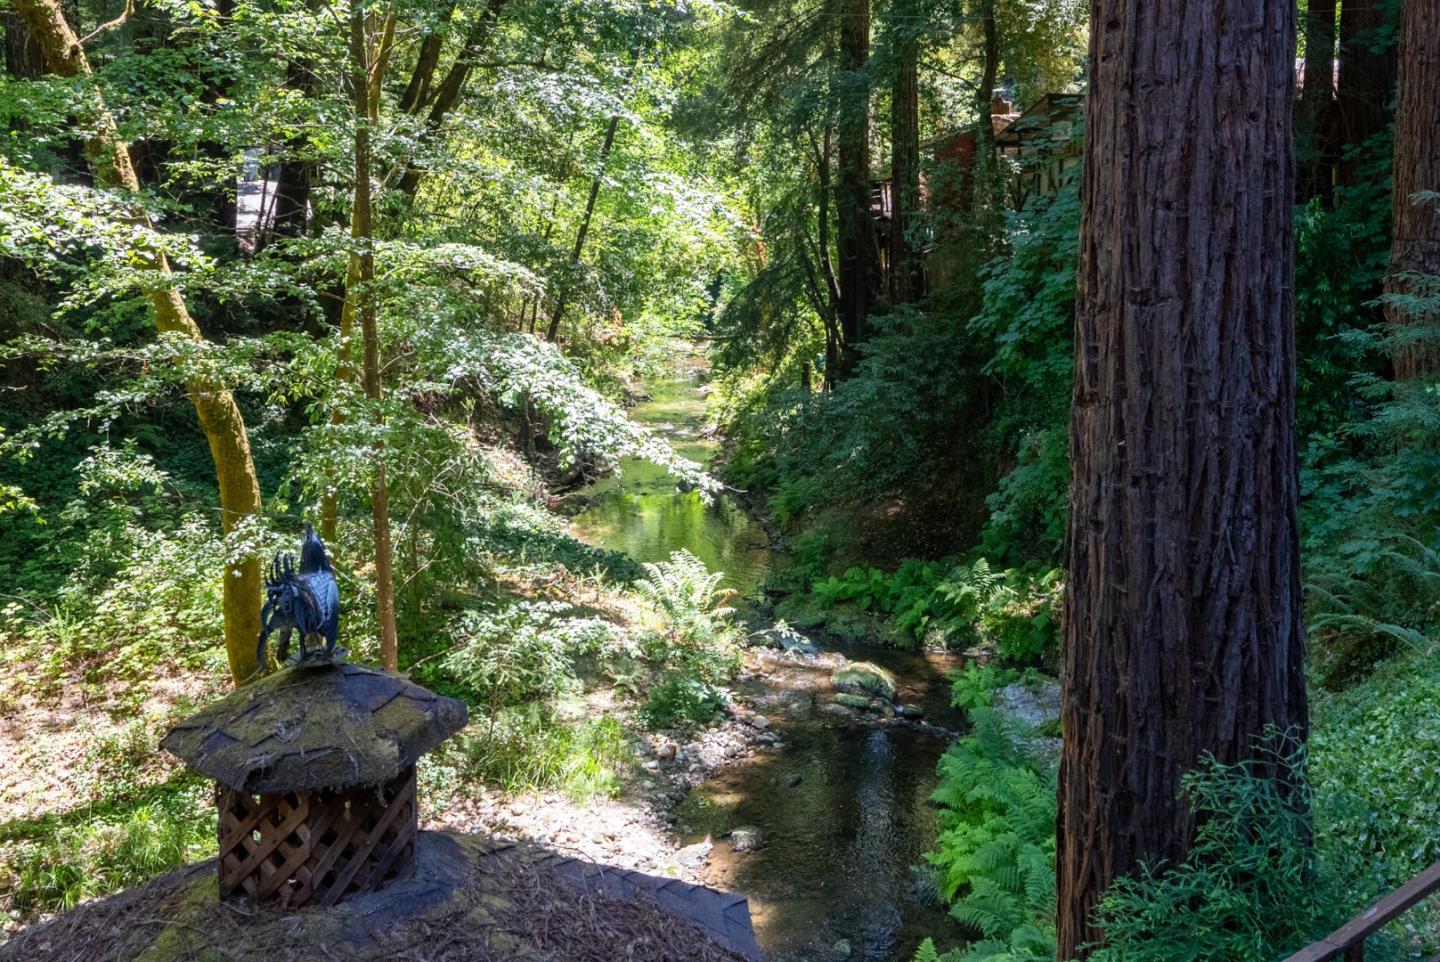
[(1039, 147)]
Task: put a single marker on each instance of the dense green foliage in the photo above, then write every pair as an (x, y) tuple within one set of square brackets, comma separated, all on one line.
[(610, 179)]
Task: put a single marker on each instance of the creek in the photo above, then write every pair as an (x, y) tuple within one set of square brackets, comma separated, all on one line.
[(843, 803)]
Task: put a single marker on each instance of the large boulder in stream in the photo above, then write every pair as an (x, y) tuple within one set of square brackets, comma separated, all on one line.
[(864, 676)]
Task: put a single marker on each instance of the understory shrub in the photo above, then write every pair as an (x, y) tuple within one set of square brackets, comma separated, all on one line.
[(1014, 612), (528, 748), (679, 701), (1251, 886), (689, 631), (520, 653), (995, 852)]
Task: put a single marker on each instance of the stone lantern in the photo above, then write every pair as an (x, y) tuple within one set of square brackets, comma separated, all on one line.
[(315, 779)]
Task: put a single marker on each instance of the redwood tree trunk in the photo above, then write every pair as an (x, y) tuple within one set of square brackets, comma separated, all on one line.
[(1182, 628), (854, 229), (1415, 237), (1367, 77), (1315, 108), (905, 275)]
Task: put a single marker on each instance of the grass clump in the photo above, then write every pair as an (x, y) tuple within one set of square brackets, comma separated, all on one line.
[(527, 749), (53, 863)]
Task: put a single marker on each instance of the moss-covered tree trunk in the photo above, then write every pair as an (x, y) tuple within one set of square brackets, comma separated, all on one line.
[(1415, 241), (220, 418)]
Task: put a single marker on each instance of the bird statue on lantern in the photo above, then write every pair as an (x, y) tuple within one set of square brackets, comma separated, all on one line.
[(304, 601)]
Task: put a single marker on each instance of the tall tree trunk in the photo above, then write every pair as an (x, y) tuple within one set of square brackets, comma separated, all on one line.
[(215, 407), (986, 190), (854, 227), (364, 83), (1182, 627), (1315, 108), (1415, 238), (1367, 78), (452, 85), (23, 57), (297, 173), (560, 304), (905, 276)]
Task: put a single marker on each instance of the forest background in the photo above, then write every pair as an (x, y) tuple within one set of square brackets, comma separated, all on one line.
[(406, 260)]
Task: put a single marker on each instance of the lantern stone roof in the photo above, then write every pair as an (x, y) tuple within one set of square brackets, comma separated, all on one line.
[(307, 729)]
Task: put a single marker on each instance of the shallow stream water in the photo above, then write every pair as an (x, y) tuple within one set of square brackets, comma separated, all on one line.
[(843, 803)]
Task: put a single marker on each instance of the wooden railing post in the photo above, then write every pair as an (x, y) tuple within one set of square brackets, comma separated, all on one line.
[(1348, 941)]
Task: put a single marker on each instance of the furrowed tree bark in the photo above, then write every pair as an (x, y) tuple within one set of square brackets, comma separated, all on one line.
[(1183, 625), (854, 228), (906, 280), (23, 57), (215, 407), (1415, 236), (1316, 105), (365, 88), (1367, 79)]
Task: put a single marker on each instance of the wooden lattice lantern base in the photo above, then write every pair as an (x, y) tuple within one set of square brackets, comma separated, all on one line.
[(315, 779)]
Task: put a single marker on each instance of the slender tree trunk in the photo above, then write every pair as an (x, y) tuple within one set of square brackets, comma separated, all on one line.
[(215, 407), (1317, 102), (364, 91), (452, 85), (986, 199), (297, 173), (854, 227), (417, 91), (1367, 78), (1182, 626), (560, 303), (906, 281), (1415, 238)]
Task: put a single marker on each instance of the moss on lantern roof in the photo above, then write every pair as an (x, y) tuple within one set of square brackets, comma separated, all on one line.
[(306, 729)]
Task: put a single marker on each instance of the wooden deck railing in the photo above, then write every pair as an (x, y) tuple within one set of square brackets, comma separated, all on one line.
[(1348, 941)]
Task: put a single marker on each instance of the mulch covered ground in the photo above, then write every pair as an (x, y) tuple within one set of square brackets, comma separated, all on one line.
[(470, 900)]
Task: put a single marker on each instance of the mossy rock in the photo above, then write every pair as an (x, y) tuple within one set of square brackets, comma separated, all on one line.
[(866, 677), (799, 611), (852, 700)]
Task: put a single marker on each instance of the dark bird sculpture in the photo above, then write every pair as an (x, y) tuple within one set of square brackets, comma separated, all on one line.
[(305, 601)]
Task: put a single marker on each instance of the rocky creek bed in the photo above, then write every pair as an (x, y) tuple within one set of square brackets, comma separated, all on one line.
[(811, 797)]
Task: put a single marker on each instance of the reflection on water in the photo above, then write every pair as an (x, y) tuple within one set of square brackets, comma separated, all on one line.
[(844, 814), (842, 806), (642, 513)]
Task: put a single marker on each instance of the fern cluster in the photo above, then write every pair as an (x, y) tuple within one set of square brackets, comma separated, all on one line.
[(690, 640), (996, 848), (1015, 611)]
